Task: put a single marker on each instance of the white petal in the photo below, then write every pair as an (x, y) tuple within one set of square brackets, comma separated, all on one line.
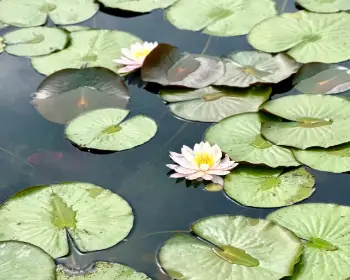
[(218, 180), (195, 176), (218, 172), (207, 177), (127, 69), (181, 160), (217, 153), (204, 167), (177, 175), (182, 170), (187, 152), (171, 166)]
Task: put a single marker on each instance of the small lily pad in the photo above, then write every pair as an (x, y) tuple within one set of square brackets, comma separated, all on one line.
[(250, 67), (96, 218), (104, 130), (141, 6), (212, 104), (325, 232), (266, 188), (19, 260), (220, 17), (326, 38), (313, 121), (231, 247), (104, 270), (325, 6), (35, 41), (239, 136)]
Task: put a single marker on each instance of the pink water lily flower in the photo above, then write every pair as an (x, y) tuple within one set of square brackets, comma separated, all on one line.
[(134, 57), (204, 162)]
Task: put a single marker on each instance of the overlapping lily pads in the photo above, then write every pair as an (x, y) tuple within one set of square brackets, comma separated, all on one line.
[(3, 25), (142, 6), (308, 37), (2, 45), (95, 217), (249, 67), (104, 130), (240, 137), (313, 121), (265, 187), (325, 6), (212, 104), (220, 17), (231, 247), (75, 28), (324, 229), (88, 48)]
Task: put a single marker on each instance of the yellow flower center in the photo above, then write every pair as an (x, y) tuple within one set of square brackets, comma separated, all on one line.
[(140, 54), (204, 158)]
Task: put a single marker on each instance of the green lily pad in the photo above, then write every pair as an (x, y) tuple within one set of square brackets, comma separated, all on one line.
[(35, 41), (313, 121), (250, 67), (104, 270), (142, 6), (3, 25), (95, 217), (231, 247), (335, 159), (325, 6), (75, 28), (19, 260), (325, 230), (104, 130), (220, 17), (212, 104), (23, 13), (239, 136), (307, 37), (88, 49), (265, 187), (66, 94)]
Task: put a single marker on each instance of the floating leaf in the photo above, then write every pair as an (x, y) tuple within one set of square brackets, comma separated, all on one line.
[(141, 6), (104, 130), (88, 49), (250, 67), (325, 6), (313, 121), (325, 229), (23, 13), (237, 248), (75, 28), (3, 25), (19, 260), (220, 17), (35, 41), (212, 104), (95, 217), (66, 94), (308, 37), (265, 187), (239, 136)]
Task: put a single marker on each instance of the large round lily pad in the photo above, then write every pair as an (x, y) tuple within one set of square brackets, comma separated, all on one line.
[(95, 217), (103, 129), (325, 6), (88, 48), (220, 17), (250, 67), (239, 136), (35, 41), (24, 13), (308, 37), (105, 271), (212, 104), (141, 6), (325, 230), (238, 248), (313, 121), (19, 260)]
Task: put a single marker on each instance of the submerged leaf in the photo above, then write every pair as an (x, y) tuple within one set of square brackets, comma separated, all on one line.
[(325, 6), (141, 6)]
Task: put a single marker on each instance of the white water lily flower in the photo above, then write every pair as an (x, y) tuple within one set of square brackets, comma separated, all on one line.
[(204, 162), (134, 57)]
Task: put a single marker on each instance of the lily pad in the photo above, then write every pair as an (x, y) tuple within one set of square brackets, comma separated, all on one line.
[(75, 28), (104, 270), (307, 37), (23, 13), (166, 66), (142, 6), (220, 17), (325, 230), (35, 41), (250, 67), (313, 121), (265, 187), (231, 247), (95, 217), (3, 25), (104, 130), (66, 94), (2, 45), (239, 136), (19, 260), (212, 104), (325, 6), (88, 49)]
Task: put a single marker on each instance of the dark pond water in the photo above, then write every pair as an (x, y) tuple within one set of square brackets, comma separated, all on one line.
[(140, 174)]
